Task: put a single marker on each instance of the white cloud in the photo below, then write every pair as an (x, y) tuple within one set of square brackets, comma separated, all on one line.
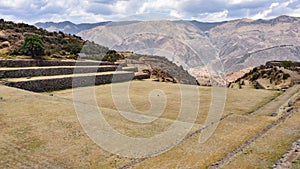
[(213, 17), (266, 12), (158, 5), (121, 6), (176, 14), (32, 11), (277, 8)]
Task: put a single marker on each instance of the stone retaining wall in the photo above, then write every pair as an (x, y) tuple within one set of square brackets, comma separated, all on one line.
[(70, 82), (32, 62), (53, 71)]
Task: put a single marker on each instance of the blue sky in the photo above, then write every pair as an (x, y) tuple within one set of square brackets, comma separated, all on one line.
[(79, 11)]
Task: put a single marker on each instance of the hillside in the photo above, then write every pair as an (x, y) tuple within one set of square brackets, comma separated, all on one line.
[(56, 44), (238, 44), (161, 69), (272, 75), (67, 26), (244, 43), (180, 42)]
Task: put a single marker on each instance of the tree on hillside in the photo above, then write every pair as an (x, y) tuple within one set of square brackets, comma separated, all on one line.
[(73, 47), (112, 56), (33, 46)]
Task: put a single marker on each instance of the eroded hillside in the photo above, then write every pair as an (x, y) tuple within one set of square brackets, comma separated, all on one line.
[(237, 44)]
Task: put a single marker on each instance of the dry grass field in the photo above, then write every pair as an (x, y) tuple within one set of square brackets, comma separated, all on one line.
[(266, 150), (42, 130)]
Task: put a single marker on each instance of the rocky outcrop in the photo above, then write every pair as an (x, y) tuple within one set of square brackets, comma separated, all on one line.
[(270, 76), (5, 44)]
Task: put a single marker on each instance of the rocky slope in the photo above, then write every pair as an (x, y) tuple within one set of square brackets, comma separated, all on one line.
[(237, 44), (161, 69), (245, 43), (273, 75), (181, 42)]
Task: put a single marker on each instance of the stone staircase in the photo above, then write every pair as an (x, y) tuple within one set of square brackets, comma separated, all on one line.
[(46, 75)]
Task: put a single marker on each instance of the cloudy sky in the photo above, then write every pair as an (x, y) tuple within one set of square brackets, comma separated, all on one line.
[(79, 11)]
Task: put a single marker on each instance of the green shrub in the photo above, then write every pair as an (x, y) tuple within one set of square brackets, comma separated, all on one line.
[(112, 56), (286, 76), (269, 72), (73, 47), (33, 46), (254, 77), (255, 69)]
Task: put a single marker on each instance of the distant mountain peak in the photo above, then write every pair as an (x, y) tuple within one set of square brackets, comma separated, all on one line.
[(68, 27), (285, 18)]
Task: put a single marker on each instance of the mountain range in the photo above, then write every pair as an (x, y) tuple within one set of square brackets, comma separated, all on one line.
[(223, 46), (67, 26)]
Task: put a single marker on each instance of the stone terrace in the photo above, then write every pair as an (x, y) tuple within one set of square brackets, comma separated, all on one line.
[(46, 75)]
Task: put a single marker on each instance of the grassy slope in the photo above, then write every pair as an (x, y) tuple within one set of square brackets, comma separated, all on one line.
[(37, 129), (268, 149)]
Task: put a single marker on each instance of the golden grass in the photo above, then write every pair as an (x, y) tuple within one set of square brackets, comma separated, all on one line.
[(264, 152), (39, 130), (230, 133), (275, 104), (4, 55), (296, 164), (237, 101)]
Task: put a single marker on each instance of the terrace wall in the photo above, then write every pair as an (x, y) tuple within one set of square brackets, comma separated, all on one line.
[(45, 85), (53, 71)]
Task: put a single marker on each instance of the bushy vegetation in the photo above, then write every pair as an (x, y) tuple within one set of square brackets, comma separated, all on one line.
[(112, 56), (33, 46), (21, 38), (93, 49), (286, 76), (274, 75), (96, 52)]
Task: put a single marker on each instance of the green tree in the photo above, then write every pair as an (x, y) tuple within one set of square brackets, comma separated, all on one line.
[(73, 47), (286, 76), (112, 56), (33, 46)]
